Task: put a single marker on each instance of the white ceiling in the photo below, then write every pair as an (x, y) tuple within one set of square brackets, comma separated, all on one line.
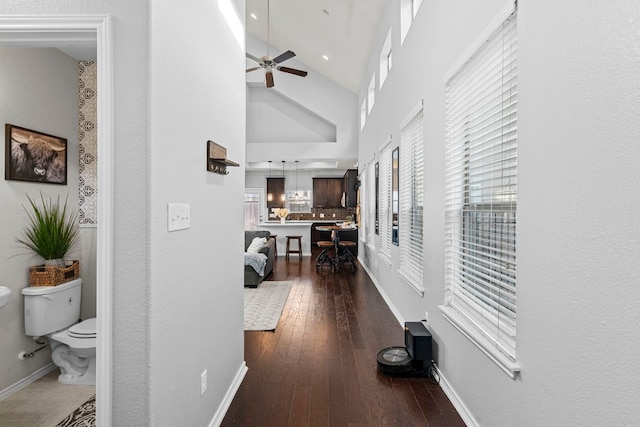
[(344, 30)]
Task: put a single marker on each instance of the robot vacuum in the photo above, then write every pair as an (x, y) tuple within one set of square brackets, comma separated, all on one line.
[(414, 359)]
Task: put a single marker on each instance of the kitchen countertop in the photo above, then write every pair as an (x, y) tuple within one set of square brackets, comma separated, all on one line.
[(299, 222), (296, 227)]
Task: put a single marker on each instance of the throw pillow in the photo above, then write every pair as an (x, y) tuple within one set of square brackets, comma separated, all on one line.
[(256, 244)]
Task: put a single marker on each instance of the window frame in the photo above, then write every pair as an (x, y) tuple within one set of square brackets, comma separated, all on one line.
[(481, 192), (386, 59), (408, 12), (411, 216), (371, 204), (385, 201), (371, 94), (260, 208)]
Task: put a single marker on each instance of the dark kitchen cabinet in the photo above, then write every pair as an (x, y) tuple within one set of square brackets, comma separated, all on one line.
[(327, 192), (275, 192), (350, 182)]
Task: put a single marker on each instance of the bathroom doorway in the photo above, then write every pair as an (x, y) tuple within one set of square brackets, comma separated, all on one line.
[(80, 32)]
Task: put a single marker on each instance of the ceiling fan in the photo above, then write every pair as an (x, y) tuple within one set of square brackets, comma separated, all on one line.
[(269, 64)]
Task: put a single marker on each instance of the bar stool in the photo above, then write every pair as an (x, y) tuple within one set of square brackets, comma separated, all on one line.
[(291, 251), (346, 256), (275, 244), (324, 257)]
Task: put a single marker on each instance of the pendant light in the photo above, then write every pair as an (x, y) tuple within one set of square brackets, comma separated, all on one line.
[(283, 198), (296, 196), (269, 195)]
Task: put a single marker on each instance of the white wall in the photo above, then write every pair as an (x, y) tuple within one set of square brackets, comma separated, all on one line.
[(197, 277), (171, 318), (39, 92), (578, 232), (317, 94)]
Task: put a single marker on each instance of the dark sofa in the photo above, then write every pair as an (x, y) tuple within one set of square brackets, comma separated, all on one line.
[(251, 278)]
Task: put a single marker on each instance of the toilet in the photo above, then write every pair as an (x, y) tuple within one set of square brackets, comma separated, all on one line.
[(53, 311)]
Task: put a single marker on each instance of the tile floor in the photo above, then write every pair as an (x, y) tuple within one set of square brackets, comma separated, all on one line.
[(43, 403)]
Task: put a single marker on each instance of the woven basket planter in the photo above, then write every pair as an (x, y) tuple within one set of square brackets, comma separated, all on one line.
[(42, 275)]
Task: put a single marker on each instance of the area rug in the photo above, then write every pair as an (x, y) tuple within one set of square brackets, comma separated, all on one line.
[(264, 304), (84, 416)]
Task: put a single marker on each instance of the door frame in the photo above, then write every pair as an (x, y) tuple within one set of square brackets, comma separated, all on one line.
[(43, 30)]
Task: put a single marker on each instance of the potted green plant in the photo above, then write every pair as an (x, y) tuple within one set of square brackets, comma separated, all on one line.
[(51, 231)]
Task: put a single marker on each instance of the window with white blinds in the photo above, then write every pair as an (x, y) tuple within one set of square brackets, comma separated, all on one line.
[(370, 227), (412, 201), (385, 201), (364, 205), (480, 194)]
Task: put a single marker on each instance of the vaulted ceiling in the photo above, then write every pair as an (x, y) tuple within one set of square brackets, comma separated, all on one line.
[(343, 30)]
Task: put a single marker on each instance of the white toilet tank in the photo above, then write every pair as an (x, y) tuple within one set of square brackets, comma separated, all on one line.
[(49, 309)]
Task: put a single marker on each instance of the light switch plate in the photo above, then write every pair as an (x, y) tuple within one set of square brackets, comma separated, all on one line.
[(178, 216)]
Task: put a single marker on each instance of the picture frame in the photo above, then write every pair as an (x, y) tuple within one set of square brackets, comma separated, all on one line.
[(34, 156)]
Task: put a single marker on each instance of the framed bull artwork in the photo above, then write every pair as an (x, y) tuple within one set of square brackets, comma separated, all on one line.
[(35, 156)]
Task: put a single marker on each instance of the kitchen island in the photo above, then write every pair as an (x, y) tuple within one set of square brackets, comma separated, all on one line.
[(291, 228)]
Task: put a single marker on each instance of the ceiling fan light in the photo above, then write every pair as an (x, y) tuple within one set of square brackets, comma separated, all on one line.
[(267, 62), (269, 78)]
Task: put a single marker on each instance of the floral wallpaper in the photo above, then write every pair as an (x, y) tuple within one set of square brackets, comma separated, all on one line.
[(87, 139)]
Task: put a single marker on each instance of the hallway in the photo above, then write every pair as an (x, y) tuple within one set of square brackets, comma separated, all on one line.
[(319, 366)]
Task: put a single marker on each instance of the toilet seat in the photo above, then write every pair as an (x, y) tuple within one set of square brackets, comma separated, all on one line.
[(84, 329), (84, 336)]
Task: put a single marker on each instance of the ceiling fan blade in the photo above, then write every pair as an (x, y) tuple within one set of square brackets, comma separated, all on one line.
[(269, 77), (255, 58), (293, 71), (284, 56), (252, 69)]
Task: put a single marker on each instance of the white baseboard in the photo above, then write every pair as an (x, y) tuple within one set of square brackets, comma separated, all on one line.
[(27, 380), (456, 402), (386, 298), (446, 388), (228, 397)]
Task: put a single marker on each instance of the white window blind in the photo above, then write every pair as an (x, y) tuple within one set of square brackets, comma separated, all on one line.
[(252, 207), (385, 201), (364, 205), (480, 192), (411, 200), (371, 203)]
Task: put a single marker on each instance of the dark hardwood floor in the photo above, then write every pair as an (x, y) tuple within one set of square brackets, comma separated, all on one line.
[(319, 366)]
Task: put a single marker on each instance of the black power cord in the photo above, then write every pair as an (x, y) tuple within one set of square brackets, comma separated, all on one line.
[(432, 373)]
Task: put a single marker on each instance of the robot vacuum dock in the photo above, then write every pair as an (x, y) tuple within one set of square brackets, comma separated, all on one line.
[(412, 360)]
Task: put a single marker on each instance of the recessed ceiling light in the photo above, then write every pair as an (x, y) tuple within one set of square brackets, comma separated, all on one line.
[(325, 57), (253, 15)]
